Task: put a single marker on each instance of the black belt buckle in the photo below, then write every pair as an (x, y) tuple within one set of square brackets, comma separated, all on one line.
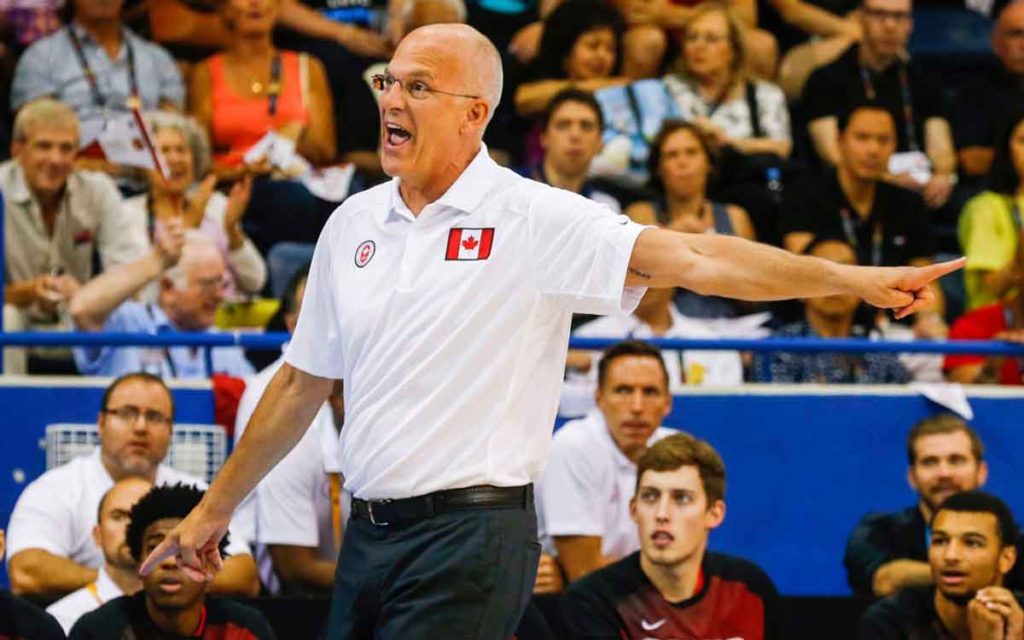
[(369, 509)]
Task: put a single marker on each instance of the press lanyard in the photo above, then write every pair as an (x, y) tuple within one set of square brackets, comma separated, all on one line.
[(166, 351), (274, 86), (134, 102), (877, 237), (336, 508), (908, 104), (94, 590)]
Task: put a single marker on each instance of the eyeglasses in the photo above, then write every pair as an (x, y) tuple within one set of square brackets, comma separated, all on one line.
[(417, 89), (128, 414), (881, 15)]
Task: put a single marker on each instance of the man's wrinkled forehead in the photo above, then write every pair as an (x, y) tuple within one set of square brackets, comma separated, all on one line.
[(426, 58)]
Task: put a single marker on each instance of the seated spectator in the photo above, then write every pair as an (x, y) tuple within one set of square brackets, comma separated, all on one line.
[(252, 89), (186, 153), (886, 225), (1002, 321), (971, 549), (95, 63), (119, 574), (680, 165), (570, 137), (22, 620), (985, 107), (990, 225), (57, 219), (583, 495), (888, 552), (52, 551), (829, 317), (674, 584), (171, 603), (580, 49), (297, 512), (878, 69), (743, 119), (101, 69), (191, 280)]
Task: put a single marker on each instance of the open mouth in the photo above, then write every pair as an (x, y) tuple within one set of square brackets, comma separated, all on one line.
[(952, 578), (396, 135), (170, 585), (662, 539)]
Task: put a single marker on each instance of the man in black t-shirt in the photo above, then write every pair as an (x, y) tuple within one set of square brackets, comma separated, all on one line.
[(172, 603), (885, 224), (985, 107), (888, 552), (21, 620), (971, 550), (878, 69), (673, 587)]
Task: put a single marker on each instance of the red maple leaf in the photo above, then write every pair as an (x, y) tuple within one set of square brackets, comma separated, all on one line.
[(470, 243)]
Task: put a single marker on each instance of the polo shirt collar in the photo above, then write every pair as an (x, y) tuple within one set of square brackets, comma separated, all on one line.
[(465, 194), (20, 192), (85, 38)]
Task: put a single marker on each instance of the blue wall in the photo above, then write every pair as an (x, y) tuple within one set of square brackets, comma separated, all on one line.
[(802, 466)]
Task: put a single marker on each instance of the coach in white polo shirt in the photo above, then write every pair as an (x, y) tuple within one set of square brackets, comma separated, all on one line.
[(443, 300), (583, 496), (51, 550)]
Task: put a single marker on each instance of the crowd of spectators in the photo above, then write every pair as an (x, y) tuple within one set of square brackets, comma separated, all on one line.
[(811, 127)]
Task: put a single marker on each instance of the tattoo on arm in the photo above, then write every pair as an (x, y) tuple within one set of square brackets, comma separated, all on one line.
[(640, 274)]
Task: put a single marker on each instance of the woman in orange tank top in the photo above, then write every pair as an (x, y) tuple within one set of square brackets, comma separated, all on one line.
[(253, 88)]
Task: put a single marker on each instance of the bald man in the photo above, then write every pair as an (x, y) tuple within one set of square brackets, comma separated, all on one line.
[(191, 287), (443, 300), (993, 101)]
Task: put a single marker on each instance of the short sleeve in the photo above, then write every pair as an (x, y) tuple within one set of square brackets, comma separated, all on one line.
[(982, 234), (866, 551), (919, 241), (571, 489), (172, 89), (316, 345), (122, 233), (286, 497), (580, 252), (32, 78), (586, 616), (773, 114), (797, 214), (39, 521), (820, 95)]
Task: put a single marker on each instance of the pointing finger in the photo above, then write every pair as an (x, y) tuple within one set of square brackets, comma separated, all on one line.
[(166, 549), (936, 271)]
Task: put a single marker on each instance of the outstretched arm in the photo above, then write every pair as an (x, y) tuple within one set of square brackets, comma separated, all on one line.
[(281, 417), (713, 264)]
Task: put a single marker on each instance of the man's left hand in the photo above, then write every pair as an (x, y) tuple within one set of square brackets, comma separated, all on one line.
[(904, 289)]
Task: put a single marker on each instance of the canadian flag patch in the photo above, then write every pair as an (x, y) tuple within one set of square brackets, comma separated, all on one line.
[(469, 244)]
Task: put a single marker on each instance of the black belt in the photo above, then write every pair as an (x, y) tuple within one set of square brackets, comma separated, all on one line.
[(405, 510)]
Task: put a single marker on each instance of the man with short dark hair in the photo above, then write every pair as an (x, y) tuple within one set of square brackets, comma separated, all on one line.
[(51, 547), (571, 127), (170, 604), (878, 68), (884, 223), (584, 493), (674, 587), (971, 550), (888, 551), (119, 574), (22, 620)]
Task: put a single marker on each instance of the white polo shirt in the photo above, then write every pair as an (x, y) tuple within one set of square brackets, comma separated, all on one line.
[(293, 503), (76, 604), (450, 328), (57, 511), (587, 485)]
